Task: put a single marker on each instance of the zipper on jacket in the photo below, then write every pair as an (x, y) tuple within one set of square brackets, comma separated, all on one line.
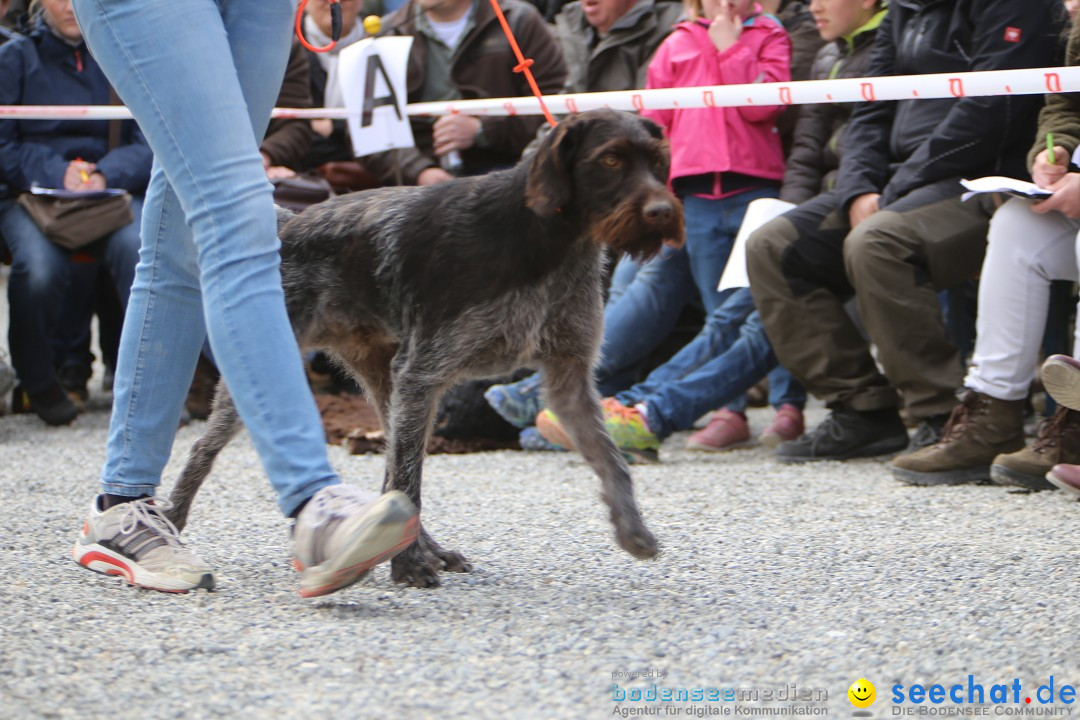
[(78, 61)]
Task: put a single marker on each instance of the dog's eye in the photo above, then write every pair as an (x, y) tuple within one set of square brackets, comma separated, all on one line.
[(611, 161)]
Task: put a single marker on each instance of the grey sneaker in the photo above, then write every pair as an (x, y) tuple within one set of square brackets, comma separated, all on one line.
[(137, 541), (343, 532)]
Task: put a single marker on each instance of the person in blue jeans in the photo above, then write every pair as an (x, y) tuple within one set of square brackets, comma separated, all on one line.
[(201, 78)]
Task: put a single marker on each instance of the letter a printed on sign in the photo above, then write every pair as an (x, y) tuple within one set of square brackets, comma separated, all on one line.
[(372, 76)]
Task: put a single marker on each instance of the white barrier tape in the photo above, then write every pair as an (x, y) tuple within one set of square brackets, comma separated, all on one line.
[(1027, 81)]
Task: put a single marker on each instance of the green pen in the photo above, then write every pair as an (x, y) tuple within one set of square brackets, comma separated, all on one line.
[(1050, 149)]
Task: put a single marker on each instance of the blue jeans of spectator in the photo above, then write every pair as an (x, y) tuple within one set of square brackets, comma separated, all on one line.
[(647, 309), (201, 78), (721, 363), (42, 273)]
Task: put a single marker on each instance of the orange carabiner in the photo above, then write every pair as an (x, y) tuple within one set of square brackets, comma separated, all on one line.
[(335, 25)]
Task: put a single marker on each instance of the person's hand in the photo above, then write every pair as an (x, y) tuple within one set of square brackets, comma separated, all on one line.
[(78, 174), (322, 127), (455, 132), (1045, 173), (1065, 200), (726, 27), (279, 172), (863, 207), (433, 176), (95, 183)]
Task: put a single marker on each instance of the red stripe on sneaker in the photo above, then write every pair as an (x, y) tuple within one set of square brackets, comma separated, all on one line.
[(120, 568)]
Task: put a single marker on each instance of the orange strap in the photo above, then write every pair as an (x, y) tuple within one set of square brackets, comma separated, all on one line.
[(335, 14), (523, 64)]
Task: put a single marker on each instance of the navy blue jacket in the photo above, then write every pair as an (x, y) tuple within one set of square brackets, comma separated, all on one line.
[(41, 69), (895, 147)]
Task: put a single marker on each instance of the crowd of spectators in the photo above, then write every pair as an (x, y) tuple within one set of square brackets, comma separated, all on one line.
[(848, 290)]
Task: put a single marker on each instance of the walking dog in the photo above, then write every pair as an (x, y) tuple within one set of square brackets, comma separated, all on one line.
[(415, 288)]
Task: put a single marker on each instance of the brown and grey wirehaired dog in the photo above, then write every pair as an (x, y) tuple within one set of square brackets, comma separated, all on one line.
[(413, 289)]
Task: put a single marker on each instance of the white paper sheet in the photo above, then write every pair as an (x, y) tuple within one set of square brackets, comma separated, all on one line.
[(757, 214), (1010, 186), (385, 126)]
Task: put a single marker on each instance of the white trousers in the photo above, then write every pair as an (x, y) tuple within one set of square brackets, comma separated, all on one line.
[(1025, 252)]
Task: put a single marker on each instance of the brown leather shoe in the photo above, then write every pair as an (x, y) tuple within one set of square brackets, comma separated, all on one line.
[(1066, 477), (1057, 441), (980, 428)]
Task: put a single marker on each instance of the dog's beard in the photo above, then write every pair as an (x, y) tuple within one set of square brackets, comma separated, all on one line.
[(626, 229)]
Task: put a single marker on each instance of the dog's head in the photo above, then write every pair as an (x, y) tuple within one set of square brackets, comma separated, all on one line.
[(610, 168)]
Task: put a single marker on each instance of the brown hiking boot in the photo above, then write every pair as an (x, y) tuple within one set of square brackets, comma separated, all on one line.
[(979, 429), (1057, 441)]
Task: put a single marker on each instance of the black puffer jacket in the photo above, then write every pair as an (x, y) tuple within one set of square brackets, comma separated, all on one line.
[(895, 147), (815, 153)]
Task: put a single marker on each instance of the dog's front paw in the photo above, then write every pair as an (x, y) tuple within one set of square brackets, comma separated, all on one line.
[(638, 541), (415, 568), (442, 559)]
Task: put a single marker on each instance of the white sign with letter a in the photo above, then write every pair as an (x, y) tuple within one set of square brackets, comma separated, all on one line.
[(372, 77)]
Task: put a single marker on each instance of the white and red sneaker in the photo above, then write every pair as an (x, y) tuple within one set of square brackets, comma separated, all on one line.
[(343, 532), (136, 540)]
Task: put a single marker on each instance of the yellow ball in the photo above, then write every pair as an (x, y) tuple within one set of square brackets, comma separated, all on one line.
[(372, 24)]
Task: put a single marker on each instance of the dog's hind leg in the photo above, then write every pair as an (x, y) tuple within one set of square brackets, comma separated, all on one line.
[(570, 393), (220, 428)]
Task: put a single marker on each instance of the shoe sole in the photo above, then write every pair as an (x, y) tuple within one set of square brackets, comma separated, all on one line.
[(1062, 380), (952, 477), (640, 457), (879, 449), (103, 561), (1008, 477), (1063, 486), (773, 440), (705, 447), (378, 542)]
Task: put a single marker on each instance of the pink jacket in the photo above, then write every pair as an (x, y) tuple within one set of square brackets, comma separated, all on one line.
[(706, 140)]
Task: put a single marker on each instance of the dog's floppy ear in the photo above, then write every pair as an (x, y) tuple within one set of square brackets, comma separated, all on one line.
[(550, 185), (652, 128)]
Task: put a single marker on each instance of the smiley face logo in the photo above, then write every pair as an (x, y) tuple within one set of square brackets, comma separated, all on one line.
[(862, 693)]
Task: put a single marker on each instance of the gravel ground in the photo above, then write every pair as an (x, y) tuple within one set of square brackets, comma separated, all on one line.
[(770, 576)]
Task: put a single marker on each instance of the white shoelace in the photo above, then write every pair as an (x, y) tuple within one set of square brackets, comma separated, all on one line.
[(155, 524)]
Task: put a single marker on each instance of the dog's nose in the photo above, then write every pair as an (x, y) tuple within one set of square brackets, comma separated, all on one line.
[(658, 211)]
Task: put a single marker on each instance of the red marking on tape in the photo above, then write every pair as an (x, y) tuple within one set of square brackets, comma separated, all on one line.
[(867, 90), (638, 103), (1053, 82), (708, 98), (956, 87)]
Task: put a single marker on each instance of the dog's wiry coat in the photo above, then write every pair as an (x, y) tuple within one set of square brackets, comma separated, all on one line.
[(413, 289)]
